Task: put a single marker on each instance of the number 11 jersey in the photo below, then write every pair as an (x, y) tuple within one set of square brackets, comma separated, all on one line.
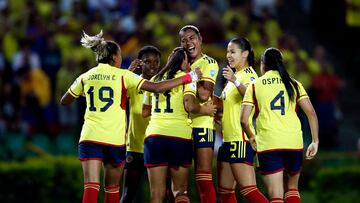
[(168, 114), (277, 123), (105, 89)]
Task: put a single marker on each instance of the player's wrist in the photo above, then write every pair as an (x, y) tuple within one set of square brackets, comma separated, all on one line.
[(194, 76), (237, 82), (189, 77), (186, 78)]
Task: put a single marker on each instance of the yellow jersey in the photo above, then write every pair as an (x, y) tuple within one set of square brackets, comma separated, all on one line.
[(277, 123), (232, 100), (137, 124), (168, 114), (209, 68), (105, 87)]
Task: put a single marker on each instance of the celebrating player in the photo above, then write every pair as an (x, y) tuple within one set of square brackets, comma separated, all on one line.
[(149, 61), (102, 141), (168, 144), (279, 144), (235, 156), (203, 125)]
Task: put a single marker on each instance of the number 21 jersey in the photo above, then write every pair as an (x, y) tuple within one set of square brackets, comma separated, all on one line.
[(105, 89)]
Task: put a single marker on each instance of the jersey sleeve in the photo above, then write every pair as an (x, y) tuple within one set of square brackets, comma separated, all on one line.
[(247, 78), (302, 92), (133, 81), (77, 88), (249, 95), (210, 71), (190, 89), (147, 98)]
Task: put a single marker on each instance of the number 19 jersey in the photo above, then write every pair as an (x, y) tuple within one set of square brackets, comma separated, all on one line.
[(105, 89), (168, 114), (277, 123)]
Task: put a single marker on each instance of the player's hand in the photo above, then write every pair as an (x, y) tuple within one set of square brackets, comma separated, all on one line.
[(198, 72), (253, 143), (311, 151), (210, 108), (137, 63), (228, 74)]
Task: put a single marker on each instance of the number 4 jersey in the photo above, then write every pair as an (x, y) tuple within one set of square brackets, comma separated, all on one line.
[(105, 88), (277, 123), (168, 114)]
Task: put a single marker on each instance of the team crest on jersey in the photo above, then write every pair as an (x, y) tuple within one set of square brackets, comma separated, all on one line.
[(212, 73), (129, 159), (252, 79)]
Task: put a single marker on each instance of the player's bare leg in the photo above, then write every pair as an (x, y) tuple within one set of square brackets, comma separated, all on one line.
[(157, 180), (179, 176), (226, 182)]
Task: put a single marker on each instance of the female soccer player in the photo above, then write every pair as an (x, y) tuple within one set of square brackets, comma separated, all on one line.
[(279, 144), (149, 61), (203, 125), (235, 156), (102, 140), (168, 144)]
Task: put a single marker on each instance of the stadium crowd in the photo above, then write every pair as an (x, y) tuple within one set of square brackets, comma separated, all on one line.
[(40, 52)]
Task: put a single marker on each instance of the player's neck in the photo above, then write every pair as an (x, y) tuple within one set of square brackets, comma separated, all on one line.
[(197, 57), (147, 77), (241, 66)]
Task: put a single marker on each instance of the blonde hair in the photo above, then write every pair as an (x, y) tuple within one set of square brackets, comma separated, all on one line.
[(97, 44)]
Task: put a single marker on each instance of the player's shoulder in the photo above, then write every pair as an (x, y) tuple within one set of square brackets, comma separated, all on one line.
[(208, 59), (296, 81), (250, 70), (258, 80)]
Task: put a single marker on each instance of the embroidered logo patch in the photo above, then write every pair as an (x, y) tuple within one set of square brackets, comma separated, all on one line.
[(129, 159)]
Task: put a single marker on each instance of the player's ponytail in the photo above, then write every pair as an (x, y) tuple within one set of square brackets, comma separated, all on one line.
[(173, 64), (273, 61), (104, 50), (245, 45)]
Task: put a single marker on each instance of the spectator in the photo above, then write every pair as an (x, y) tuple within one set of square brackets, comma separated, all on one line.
[(326, 86)]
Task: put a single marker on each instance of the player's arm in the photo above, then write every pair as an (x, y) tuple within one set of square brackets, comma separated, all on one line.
[(244, 120), (205, 90), (308, 108), (163, 86), (67, 99), (192, 105), (74, 92), (230, 76), (219, 109), (146, 108)]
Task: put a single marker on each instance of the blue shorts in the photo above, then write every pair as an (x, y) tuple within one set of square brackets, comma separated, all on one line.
[(167, 151), (236, 152), (274, 161), (134, 160), (203, 137), (105, 153)]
